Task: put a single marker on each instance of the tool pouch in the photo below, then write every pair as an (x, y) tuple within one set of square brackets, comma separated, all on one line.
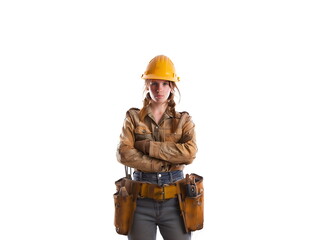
[(191, 201), (124, 209), (125, 204)]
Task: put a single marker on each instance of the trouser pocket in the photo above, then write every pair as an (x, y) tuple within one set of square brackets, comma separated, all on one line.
[(124, 210), (194, 212)]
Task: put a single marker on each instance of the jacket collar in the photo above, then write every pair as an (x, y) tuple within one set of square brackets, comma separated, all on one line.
[(167, 114)]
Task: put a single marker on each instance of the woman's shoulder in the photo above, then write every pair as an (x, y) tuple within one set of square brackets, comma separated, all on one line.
[(133, 111), (185, 118), (132, 115), (182, 114)]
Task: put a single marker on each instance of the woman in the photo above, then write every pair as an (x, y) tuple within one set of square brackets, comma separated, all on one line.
[(158, 142)]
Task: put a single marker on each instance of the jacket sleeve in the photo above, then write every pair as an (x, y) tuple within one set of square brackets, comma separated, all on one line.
[(182, 152), (131, 157)]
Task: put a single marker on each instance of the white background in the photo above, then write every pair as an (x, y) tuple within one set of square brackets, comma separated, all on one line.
[(69, 70)]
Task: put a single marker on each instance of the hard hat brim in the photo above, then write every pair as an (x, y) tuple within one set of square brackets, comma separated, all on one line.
[(154, 76)]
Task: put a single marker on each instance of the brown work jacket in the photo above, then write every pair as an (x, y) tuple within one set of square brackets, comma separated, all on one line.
[(168, 150)]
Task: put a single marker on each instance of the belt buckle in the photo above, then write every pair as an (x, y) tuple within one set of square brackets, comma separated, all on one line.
[(164, 188), (161, 193)]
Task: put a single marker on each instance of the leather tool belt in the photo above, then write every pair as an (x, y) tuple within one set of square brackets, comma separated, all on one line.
[(189, 191), (148, 190)]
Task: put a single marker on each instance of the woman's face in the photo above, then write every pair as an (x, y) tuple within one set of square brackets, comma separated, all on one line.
[(159, 90)]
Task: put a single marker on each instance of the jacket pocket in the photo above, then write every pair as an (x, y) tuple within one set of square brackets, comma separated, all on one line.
[(142, 133)]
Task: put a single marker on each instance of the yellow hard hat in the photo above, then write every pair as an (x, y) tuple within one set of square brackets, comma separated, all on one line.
[(162, 68)]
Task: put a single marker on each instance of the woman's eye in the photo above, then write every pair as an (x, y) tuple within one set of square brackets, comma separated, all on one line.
[(165, 83)]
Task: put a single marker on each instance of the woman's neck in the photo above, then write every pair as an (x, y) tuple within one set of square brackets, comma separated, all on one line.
[(158, 110), (158, 107)]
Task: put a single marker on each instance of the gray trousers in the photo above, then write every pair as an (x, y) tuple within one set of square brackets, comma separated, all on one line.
[(165, 215)]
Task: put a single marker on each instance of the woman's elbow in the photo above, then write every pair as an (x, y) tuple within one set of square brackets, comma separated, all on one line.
[(120, 155), (191, 154)]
